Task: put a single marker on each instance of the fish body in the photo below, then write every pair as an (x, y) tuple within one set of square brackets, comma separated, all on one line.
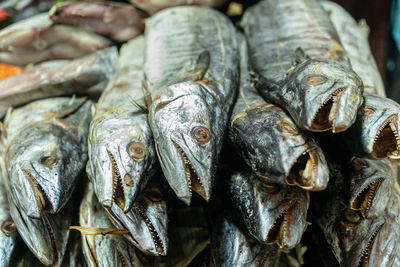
[(192, 74), (46, 152), (153, 6), (121, 149), (120, 22), (301, 65), (36, 39)]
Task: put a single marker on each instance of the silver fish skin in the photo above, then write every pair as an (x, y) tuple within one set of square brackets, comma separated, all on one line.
[(120, 22), (301, 65), (46, 237), (73, 256), (36, 39), (147, 221), (75, 76), (46, 152), (121, 148), (192, 75), (272, 213), (154, 6), (270, 142), (104, 250)]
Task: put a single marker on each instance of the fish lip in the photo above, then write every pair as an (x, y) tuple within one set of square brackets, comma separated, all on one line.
[(390, 123), (357, 204), (36, 189), (118, 193), (190, 172), (366, 252)]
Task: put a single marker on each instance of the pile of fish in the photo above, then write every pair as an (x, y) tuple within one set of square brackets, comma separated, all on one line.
[(168, 135)]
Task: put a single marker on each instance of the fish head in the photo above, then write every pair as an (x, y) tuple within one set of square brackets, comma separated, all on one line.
[(185, 121), (121, 153), (363, 241), (370, 183), (331, 94), (44, 163), (273, 213), (378, 120), (146, 221)]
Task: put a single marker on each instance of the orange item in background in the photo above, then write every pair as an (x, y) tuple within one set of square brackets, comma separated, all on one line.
[(9, 70)]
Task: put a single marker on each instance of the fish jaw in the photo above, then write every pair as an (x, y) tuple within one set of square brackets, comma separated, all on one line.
[(330, 98), (121, 153), (186, 143)]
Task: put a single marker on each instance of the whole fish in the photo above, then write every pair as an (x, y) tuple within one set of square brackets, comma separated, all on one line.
[(146, 221), (47, 236), (37, 39), (46, 152), (121, 149), (192, 75), (153, 6), (376, 130), (301, 64), (269, 141), (120, 22), (272, 213), (58, 78), (108, 249)]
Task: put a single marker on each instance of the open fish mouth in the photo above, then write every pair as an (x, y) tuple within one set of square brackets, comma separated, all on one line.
[(278, 231), (118, 196), (363, 262), (192, 176), (386, 142), (40, 196), (325, 117), (363, 201)]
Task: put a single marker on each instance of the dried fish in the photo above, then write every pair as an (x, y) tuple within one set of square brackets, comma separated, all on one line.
[(153, 6)]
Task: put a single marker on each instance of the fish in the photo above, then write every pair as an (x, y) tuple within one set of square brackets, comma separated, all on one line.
[(73, 256), (46, 237), (121, 147), (146, 221), (36, 39), (118, 21), (300, 65), (272, 213), (58, 78), (154, 6), (376, 130), (104, 250), (46, 152), (192, 74), (270, 142)]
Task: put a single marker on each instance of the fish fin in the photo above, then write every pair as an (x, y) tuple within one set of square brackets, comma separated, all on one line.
[(142, 108), (362, 23), (93, 110), (146, 91), (202, 64), (300, 56)]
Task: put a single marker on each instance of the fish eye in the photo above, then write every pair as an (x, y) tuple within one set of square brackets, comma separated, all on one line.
[(270, 188), (8, 227), (350, 216), (48, 161), (137, 150), (316, 79), (201, 134), (154, 193)]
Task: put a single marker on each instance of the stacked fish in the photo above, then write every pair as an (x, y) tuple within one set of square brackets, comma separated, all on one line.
[(171, 107)]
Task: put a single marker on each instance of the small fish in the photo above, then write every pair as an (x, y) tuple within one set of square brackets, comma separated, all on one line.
[(58, 79), (301, 65), (272, 213), (153, 6), (120, 22), (121, 149), (192, 75), (46, 152), (269, 141), (104, 250), (36, 39)]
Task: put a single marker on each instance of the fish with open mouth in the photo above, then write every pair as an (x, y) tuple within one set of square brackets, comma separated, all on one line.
[(376, 130), (102, 244), (118, 21), (146, 221), (269, 141), (272, 213), (121, 149), (192, 73), (46, 152), (301, 65), (36, 39), (58, 78)]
